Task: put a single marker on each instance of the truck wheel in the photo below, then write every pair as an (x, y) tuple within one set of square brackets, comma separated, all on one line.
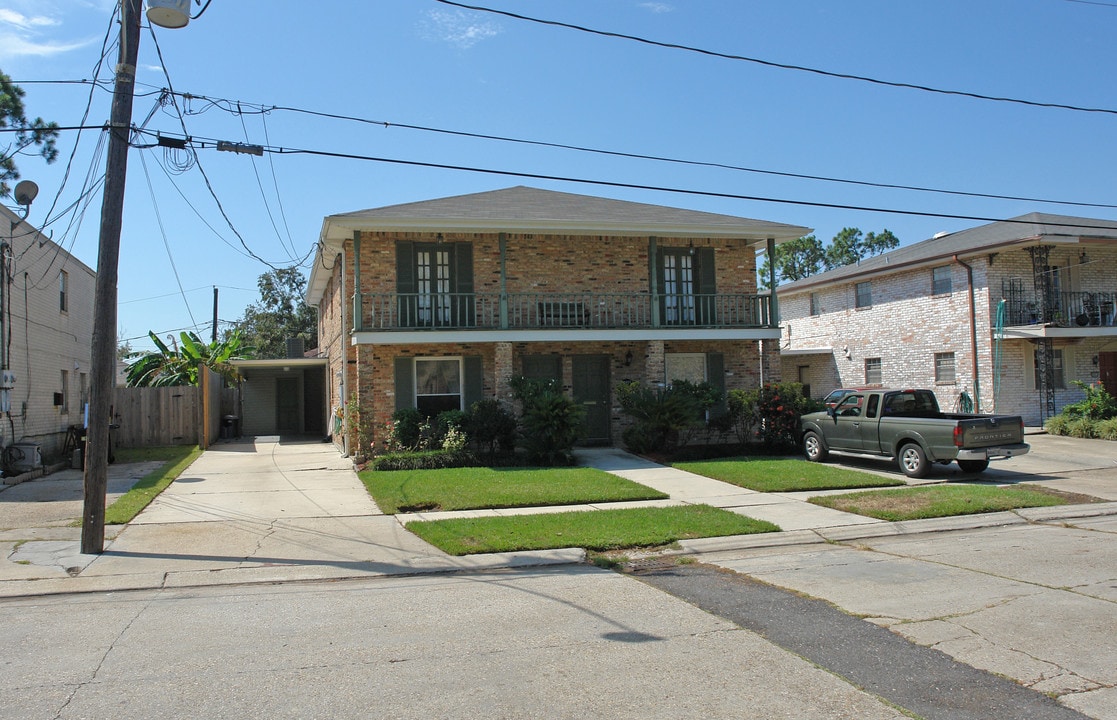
[(973, 466), (814, 447), (913, 461)]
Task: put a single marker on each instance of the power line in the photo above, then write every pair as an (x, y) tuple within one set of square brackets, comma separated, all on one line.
[(209, 143), (782, 66), (228, 106)]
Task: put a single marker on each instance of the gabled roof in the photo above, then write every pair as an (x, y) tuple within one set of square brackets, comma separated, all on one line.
[(1023, 231), (532, 210)]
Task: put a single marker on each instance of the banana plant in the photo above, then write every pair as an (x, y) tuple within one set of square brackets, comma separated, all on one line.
[(180, 365)]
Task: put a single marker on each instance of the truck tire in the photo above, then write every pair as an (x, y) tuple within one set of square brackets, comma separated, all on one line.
[(913, 461), (973, 466), (814, 447)]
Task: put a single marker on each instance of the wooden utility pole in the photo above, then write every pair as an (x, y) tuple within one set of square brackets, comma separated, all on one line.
[(213, 337), (103, 361)]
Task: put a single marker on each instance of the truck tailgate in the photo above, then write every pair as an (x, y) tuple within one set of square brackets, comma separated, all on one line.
[(979, 432)]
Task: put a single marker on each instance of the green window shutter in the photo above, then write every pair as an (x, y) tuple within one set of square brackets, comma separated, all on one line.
[(405, 383), (473, 385), (406, 285), (715, 372), (706, 286), (464, 313)]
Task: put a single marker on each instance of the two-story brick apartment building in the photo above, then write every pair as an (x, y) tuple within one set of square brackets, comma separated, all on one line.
[(436, 304), (931, 315), (46, 335)]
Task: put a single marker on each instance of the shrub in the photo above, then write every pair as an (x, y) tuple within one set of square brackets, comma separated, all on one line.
[(551, 422), (491, 427), (424, 460), (779, 408), (406, 429), (1081, 428), (666, 418), (1106, 429), (1057, 424), (1097, 405)]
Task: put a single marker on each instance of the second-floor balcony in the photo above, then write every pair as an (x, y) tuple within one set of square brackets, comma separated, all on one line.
[(1064, 309), (558, 311)]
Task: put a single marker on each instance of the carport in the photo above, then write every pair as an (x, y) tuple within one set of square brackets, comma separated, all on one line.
[(282, 397)]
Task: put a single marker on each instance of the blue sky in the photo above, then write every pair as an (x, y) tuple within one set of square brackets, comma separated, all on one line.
[(425, 63)]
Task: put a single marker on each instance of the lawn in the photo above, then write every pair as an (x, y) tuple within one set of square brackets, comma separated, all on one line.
[(176, 459), (783, 474), (398, 491), (593, 530), (915, 503)]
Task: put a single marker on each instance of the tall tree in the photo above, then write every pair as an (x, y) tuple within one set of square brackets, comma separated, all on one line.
[(794, 260), (847, 247), (180, 365), (27, 134), (281, 314)]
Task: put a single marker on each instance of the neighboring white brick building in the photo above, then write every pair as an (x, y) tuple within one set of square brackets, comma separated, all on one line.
[(48, 331), (931, 315)]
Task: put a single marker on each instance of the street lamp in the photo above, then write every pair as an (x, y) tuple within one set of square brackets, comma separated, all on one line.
[(166, 13)]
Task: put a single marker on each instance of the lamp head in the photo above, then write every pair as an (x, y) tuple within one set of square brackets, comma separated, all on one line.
[(25, 192), (169, 13)]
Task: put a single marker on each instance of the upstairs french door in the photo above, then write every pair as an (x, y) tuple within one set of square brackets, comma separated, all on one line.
[(678, 287), (433, 285)]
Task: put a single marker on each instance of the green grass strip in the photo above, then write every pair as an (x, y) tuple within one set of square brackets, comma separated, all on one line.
[(592, 529), (784, 474), (176, 458), (916, 503), (481, 487)]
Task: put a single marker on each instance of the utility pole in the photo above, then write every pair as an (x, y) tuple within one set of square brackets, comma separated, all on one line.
[(103, 360), (214, 336)]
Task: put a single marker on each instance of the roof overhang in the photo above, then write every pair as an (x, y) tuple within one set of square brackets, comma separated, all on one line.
[(792, 352), (280, 364)]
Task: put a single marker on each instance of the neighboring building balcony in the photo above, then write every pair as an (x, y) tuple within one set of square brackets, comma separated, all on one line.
[(1073, 310), (562, 312)]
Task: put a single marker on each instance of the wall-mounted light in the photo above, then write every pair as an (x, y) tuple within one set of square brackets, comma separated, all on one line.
[(691, 247), (1094, 360), (628, 359), (438, 238), (1083, 258)]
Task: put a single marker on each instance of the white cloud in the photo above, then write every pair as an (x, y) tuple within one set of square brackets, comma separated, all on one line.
[(460, 28), (24, 22), (656, 7), (13, 46)]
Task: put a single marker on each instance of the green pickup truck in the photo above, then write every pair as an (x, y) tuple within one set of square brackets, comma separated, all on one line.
[(908, 425)]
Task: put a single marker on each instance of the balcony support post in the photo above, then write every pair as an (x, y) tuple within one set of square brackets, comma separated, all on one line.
[(773, 303), (653, 280)]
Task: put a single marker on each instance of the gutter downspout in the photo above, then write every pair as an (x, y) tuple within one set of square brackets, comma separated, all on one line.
[(973, 335), (344, 357)]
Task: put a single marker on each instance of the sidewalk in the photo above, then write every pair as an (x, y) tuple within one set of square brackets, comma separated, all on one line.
[(271, 511)]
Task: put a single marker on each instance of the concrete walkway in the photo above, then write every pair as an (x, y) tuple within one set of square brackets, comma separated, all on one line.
[(271, 511)]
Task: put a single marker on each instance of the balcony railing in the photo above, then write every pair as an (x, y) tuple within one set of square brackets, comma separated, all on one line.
[(539, 311), (1067, 309)]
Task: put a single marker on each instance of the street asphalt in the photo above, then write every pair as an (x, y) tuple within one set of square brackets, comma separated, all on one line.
[(994, 610)]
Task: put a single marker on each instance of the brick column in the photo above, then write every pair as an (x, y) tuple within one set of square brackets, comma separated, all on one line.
[(502, 371), (770, 361), (654, 367)]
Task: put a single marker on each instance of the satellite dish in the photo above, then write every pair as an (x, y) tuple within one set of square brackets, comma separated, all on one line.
[(26, 191), (169, 13)]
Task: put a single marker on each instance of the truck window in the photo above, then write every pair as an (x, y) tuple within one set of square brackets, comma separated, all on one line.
[(850, 406), (871, 406)]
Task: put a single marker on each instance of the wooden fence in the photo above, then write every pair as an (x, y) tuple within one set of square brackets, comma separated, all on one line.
[(152, 416)]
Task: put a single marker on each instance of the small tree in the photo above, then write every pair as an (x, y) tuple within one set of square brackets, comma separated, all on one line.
[(668, 417)]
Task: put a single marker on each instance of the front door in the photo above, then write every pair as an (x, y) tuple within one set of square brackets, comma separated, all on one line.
[(287, 406), (590, 385), (1107, 371)]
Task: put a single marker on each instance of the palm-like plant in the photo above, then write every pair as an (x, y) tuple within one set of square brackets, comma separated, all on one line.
[(179, 366)]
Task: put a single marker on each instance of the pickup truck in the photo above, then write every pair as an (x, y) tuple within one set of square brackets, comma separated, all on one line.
[(908, 425)]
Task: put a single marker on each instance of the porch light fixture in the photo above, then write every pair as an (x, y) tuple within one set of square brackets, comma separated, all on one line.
[(1083, 259), (628, 358), (691, 249)]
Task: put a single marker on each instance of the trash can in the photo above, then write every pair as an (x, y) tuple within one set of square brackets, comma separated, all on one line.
[(230, 427)]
